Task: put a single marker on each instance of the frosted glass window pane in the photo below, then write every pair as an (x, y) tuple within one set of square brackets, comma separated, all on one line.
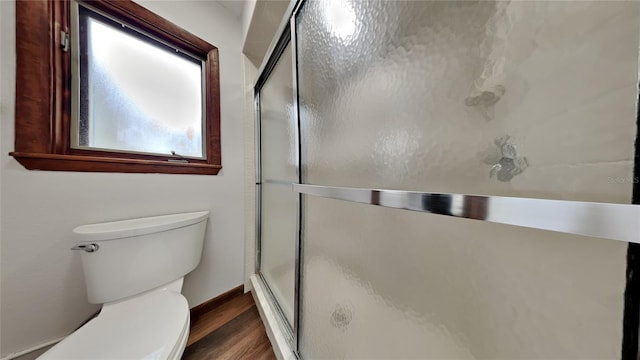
[(278, 243), (415, 94), (279, 203), (136, 94), (382, 283), (278, 123)]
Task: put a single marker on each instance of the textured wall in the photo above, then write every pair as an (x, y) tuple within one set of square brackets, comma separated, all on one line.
[(43, 294)]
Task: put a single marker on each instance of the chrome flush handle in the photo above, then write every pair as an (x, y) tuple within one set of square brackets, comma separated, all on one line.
[(87, 247)]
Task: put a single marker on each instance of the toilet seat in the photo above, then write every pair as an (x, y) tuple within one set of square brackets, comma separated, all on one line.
[(150, 326)]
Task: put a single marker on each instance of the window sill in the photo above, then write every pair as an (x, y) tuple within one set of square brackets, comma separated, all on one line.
[(57, 162)]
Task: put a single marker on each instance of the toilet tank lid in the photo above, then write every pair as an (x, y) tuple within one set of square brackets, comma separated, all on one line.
[(136, 227)]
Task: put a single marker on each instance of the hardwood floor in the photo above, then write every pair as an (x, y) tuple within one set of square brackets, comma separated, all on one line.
[(229, 328)]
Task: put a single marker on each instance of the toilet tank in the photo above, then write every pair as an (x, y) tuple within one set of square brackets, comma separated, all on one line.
[(137, 255)]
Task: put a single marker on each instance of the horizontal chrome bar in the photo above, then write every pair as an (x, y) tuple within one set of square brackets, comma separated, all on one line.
[(601, 220), (279, 182)]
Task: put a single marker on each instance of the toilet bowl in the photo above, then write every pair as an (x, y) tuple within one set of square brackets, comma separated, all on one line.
[(152, 326), (138, 319)]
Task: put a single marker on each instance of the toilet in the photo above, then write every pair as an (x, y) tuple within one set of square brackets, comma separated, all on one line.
[(135, 268)]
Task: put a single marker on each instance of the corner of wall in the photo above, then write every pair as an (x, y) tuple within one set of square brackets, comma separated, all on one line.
[(7, 54), (249, 71), (259, 24), (247, 16)]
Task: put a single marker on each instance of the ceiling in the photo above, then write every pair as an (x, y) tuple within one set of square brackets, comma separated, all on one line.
[(234, 6)]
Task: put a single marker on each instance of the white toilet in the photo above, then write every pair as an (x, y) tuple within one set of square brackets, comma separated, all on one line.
[(135, 268)]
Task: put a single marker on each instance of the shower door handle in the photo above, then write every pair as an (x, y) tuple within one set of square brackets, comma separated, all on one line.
[(601, 220)]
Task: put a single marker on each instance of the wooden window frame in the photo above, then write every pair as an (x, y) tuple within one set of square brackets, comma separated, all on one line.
[(43, 92)]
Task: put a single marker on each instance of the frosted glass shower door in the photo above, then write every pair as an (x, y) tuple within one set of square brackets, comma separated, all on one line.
[(278, 171), (532, 99)]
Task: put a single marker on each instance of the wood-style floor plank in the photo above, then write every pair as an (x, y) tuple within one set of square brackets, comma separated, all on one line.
[(231, 330), (213, 320), (244, 337)]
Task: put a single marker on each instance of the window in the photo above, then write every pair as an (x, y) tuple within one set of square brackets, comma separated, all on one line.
[(133, 93), (109, 86)]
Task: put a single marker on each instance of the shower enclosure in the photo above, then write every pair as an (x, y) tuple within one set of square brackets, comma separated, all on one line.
[(451, 179)]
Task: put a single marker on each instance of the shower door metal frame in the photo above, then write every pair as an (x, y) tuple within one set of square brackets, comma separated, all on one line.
[(285, 35), (631, 318), (563, 216), (274, 57)]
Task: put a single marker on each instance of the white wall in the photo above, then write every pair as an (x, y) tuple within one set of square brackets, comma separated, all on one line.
[(250, 73), (2, 117), (43, 294), (260, 22), (247, 16)]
